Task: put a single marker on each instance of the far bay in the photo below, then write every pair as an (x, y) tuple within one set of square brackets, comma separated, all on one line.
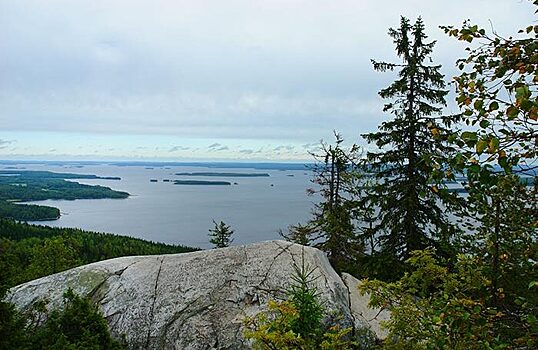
[(256, 207)]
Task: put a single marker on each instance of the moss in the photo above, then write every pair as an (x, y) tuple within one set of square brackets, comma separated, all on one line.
[(88, 281)]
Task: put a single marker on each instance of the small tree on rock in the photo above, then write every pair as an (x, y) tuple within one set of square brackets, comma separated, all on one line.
[(220, 235)]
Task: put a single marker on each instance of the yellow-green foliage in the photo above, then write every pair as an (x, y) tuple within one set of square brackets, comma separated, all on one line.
[(272, 330), (433, 307)]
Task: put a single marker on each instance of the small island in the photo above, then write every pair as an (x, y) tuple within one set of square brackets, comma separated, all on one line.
[(217, 174), (28, 185), (201, 183)]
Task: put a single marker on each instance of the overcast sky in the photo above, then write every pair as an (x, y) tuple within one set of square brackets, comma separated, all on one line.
[(208, 80)]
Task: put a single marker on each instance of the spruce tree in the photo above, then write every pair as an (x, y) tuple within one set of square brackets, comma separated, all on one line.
[(220, 235), (411, 148)]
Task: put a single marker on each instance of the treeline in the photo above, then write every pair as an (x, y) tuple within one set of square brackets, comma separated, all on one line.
[(25, 190), (28, 252), (40, 174), (28, 212)]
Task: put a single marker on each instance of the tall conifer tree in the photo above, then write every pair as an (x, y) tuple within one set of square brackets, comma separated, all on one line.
[(411, 146)]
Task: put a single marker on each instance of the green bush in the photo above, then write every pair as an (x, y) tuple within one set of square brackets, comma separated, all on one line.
[(297, 322), (79, 325)]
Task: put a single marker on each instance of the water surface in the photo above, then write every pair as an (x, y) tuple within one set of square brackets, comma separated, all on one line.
[(256, 208)]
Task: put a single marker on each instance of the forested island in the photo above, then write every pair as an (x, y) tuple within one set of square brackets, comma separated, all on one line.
[(202, 183), (27, 185), (217, 174)]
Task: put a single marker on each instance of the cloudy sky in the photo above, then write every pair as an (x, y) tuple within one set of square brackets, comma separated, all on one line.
[(207, 79)]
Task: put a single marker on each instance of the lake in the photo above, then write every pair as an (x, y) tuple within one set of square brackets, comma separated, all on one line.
[(256, 208)]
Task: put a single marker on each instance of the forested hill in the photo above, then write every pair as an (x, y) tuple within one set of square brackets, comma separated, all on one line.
[(29, 185), (28, 252)]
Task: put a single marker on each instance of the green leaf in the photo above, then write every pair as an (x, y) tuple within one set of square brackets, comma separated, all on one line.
[(522, 91), (474, 169), (481, 146), (512, 112), (484, 123), (526, 105), (470, 138), (493, 145), (503, 162)]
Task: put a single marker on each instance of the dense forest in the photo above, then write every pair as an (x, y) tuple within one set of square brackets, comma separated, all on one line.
[(28, 212), (27, 185), (29, 251)]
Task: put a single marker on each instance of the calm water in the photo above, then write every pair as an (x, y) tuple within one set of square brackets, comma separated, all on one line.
[(180, 214)]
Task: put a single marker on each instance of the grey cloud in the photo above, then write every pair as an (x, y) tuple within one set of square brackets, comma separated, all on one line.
[(178, 148), (287, 70), (308, 146), (283, 148), (214, 145), (6, 142), (223, 148), (246, 151)]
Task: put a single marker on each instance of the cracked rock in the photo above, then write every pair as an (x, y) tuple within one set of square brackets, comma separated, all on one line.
[(194, 301)]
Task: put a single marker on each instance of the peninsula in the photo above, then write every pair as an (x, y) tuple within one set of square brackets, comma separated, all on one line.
[(28, 185)]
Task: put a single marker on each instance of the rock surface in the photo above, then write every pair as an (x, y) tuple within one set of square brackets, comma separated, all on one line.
[(363, 314), (195, 300)]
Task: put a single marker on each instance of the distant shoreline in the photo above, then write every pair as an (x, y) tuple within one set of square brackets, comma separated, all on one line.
[(217, 174), (202, 183), (264, 165)]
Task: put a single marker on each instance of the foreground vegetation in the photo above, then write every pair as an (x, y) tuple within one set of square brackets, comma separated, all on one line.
[(457, 272), (78, 326)]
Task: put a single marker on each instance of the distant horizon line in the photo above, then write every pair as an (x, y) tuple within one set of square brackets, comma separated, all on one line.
[(147, 161)]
